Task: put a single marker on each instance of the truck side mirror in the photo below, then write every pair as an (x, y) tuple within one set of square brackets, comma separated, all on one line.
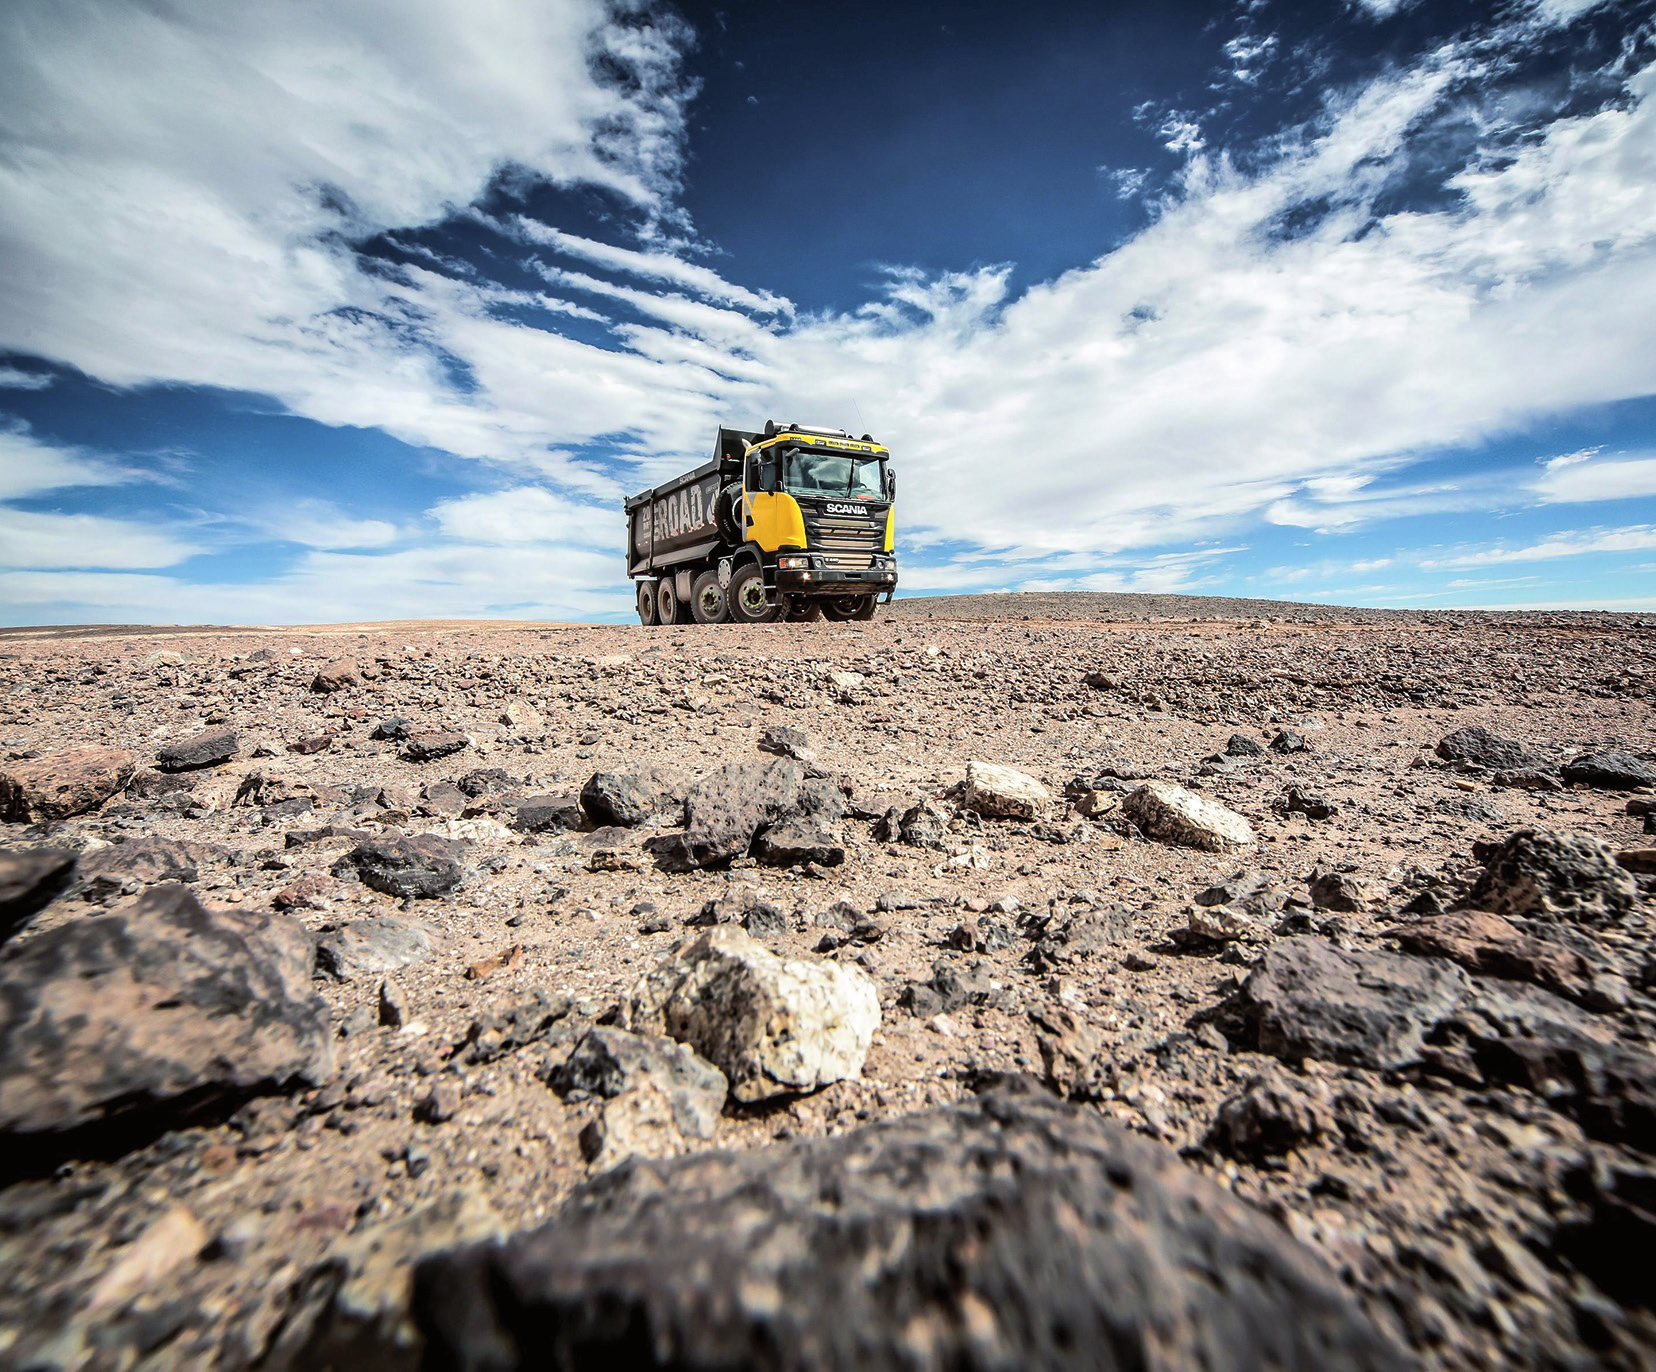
[(891, 485)]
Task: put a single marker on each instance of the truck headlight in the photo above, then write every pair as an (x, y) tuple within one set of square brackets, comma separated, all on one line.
[(792, 562)]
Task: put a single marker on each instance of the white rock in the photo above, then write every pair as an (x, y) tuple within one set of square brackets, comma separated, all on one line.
[(846, 680), (1174, 815), (1223, 923), (995, 790), (772, 1025), (523, 717)]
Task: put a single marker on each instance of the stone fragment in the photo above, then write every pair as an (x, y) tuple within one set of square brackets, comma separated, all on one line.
[(1009, 1231), (1526, 779), (427, 745), (793, 841), (420, 865), (1003, 792), (1272, 1115), (1240, 745), (1253, 892), (508, 959), (393, 1005), (30, 879), (1305, 998), (522, 718), (1481, 748), (315, 743), (1640, 861), (143, 862), (1338, 891), (772, 1025), (500, 1032), (724, 811), (786, 742), (209, 748), (1070, 1052), (1287, 741), (338, 675), (60, 785), (626, 799), (311, 891), (608, 1063), (1488, 945), (272, 788), (1174, 815), (924, 826), (1296, 801), (1224, 924), (170, 1242), (549, 814), (143, 1010), (1545, 874), (394, 728), (374, 946), (1609, 769), (440, 1104)]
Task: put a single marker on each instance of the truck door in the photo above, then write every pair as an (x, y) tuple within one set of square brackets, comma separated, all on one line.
[(772, 519)]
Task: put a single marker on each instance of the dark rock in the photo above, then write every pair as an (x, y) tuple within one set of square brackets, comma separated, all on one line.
[(152, 785), (1480, 809), (146, 861), (1240, 745), (549, 814), (422, 865), (954, 983), (1087, 934), (1007, 1231), (1300, 802), (724, 810), (316, 743), (1287, 741), (1526, 779), (798, 840), (764, 920), (440, 1104), (1481, 748), (1609, 769), (1255, 894), (1491, 946), (143, 1014), (786, 742), (337, 676), (1305, 998), (60, 785), (30, 879), (505, 1031), (428, 745), (1274, 1114), (488, 781), (1541, 874), (1642, 805), (608, 1061), (614, 798), (373, 946), (1612, 1241), (1337, 891), (394, 728), (206, 749), (445, 799), (924, 826)]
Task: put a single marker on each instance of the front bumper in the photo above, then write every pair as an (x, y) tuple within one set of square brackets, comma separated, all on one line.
[(835, 581)]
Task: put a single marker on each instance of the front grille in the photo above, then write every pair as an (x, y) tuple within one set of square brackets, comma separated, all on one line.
[(844, 542)]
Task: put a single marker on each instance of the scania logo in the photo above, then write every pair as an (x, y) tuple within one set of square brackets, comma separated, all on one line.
[(845, 509)]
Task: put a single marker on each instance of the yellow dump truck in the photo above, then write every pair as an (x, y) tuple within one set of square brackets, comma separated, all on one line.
[(795, 522)]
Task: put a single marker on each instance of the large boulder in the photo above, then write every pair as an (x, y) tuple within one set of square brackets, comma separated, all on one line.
[(1009, 1231), (1174, 815), (1305, 998), (726, 809), (1609, 769), (771, 1025), (421, 865), (1005, 792), (1558, 875), (63, 784), (151, 1009), (1481, 748), (209, 748), (30, 879)]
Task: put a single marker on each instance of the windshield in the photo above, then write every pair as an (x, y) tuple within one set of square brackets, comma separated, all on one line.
[(833, 474)]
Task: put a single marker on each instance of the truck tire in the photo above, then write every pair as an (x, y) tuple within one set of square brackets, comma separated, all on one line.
[(668, 609), (747, 596), (803, 611), (646, 603), (708, 603), (845, 607)]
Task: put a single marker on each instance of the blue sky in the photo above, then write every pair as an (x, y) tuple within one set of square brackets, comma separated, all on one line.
[(361, 310)]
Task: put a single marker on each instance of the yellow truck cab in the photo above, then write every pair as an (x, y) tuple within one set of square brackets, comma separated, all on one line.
[(795, 522)]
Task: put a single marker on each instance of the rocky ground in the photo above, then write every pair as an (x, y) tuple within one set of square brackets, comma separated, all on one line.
[(1197, 983)]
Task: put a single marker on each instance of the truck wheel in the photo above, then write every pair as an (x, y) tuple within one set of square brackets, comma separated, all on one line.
[(646, 603), (747, 597), (803, 611), (668, 609), (844, 607), (708, 604)]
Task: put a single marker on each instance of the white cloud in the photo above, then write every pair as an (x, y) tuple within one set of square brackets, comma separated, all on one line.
[(1587, 481), (15, 379), (32, 539), (29, 467), (1566, 543), (322, 524), (1570, 459), (531, 514)]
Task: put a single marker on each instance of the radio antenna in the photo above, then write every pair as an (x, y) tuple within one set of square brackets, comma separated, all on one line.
[(861, 422)]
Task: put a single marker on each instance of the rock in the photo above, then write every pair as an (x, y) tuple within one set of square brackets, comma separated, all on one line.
[(1223, 924), (427, 745), (1240, 745), (312, 891), (508, 959), (338, 675), (272, 788), (1544, 874), (954, 983), (394, 728), (924, 826), (1174, 815), (794, 841), (1339, 892), (421, 865), (1287, 741), (315, 743), (1298, 802), (1003, 792), (764, 920), (1010, 1231), (1480, 748), (1070, 1052), (1305, 998), (170, 1242), (1490, 946), (374, 946), (30, 879), (206, 749), (523, 718), (626, 799), (786, 742), (549, 814), (60, 785), (1254, 893), (1272, 1115), (142, 861), (771, 1025), (726, 809), (351, 1309), (440, 1104), (1526, 779), (1609, 769), (133, 1014), (1641, 861), (496, 1034), (393, 1005), (1088, 934), (610, 1062)]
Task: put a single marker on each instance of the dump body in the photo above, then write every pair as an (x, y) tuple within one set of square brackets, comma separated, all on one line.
[(810, 509)]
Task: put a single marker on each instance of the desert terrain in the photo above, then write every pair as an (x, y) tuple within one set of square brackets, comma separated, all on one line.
[(368, 991)]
